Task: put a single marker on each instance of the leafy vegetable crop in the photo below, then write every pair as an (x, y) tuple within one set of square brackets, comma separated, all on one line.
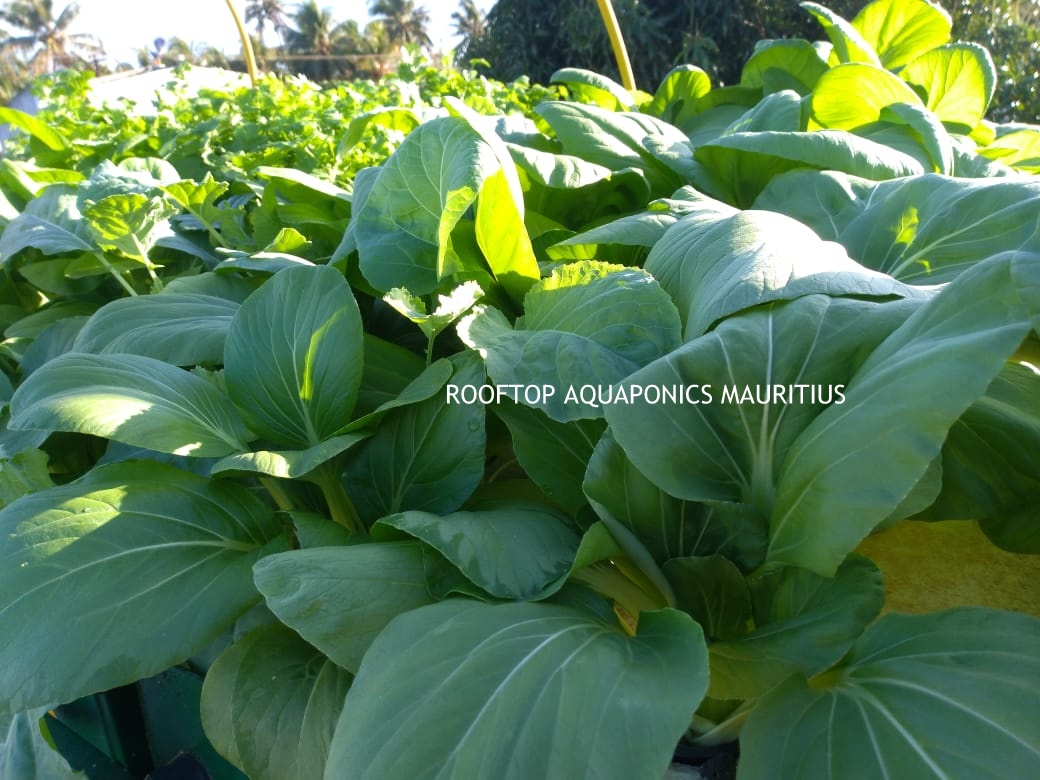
[(546, 442)]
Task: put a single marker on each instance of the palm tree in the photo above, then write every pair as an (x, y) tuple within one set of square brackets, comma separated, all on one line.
[(319, 36), (46, 41), (267, 11), (404, 23), (470, 23)]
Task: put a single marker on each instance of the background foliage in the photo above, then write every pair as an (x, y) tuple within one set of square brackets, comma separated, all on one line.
[(523, 37)]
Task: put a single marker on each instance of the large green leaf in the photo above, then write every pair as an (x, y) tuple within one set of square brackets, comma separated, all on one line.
[(589, 324), (803, 623), (512, 551), (742, 164), (427, 455), (553, 454), (728, 440), (517, 691), (667, 526), (403, 228), (675, 100), (586, 86), (959, 80), (51, 223), (712, 590), (991, 463), (130, 223), (38, 129), (278, 731), (784, 64), (288, 464), (293, 357), (132, 399), (951, 694), (144, 564), (901, 30), (923, 230), (184, 329), (922, 127), (340, 598), (501, 233), (614, 139), (853, 95), (959, 341), (849, 44), (714, 267), (638, 230), (1019, 148)]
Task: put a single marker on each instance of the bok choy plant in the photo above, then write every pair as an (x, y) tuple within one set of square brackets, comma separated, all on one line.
[(552, 442)]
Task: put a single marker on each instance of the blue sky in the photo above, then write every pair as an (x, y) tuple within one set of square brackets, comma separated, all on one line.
[(124, 26)]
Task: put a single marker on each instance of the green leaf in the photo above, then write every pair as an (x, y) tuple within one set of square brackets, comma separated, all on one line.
[(132, 399), (991, 463), (803, 623), (901, 30), (849, 44), (512, 551), (716, 440), (314, 530), (403, 228), (403, 120), (588, 87), (164, 555), (449, 307), (958, 341), (675, 100), (293, 357), (54, 340), (712, 590), (184, 329), (38, 129), (427, 455), (424, 384), (271, 731), (921, 230), (742, 164), (940, 695), (25, 753), (502, 235), (51, 223), (668, 526), (128, 223), (716, 265), (22, 474), (959, 80), (928, 130), (1019, 148), (553, 454), (443, 684), (589, 324), (287, 464), (853, 95), (340, 598), (612, 139), (200, 200), (785, 63)]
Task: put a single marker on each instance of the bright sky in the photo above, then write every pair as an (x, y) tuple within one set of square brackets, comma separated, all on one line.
[(124, 26)]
